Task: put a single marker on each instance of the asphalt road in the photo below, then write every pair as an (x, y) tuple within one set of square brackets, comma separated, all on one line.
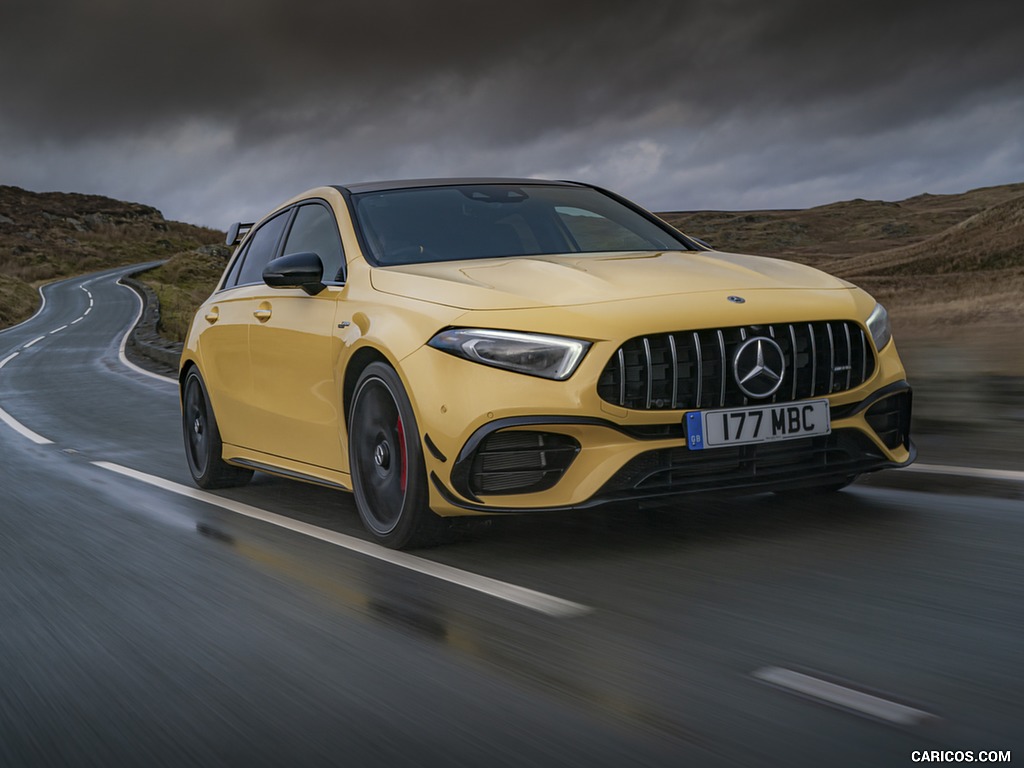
[(257, 626)]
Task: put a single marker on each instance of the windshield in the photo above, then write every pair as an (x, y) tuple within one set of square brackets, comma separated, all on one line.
[(477, 221)]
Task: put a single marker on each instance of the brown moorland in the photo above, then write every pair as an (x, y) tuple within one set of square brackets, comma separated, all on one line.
[(947, 266), (950, 268), (46, 236)]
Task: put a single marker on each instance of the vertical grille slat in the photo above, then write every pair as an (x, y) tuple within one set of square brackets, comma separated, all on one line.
[(700, 367), (849, 356), (686, 370), (814, 360), (648, 371), (675, 369), (831, 359), (622, 376), (722, 366), (796, 377)]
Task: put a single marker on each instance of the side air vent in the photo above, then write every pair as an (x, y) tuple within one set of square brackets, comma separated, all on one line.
[(521, 462)]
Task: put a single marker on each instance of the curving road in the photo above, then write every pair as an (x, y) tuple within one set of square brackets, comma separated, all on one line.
[(143, 622)]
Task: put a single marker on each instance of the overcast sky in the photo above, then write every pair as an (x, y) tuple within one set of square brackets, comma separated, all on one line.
[(214, 111)]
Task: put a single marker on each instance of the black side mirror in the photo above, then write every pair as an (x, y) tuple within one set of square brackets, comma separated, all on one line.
[(296, 270)]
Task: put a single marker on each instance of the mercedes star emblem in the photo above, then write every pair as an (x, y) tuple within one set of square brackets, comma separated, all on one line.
[(758, 367)]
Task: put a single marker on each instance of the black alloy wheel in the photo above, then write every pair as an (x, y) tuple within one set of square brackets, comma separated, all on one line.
[(388, 475), (203, 446)]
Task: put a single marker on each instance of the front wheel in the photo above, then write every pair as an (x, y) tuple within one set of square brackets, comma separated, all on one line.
[(203, 446), (388, 475)]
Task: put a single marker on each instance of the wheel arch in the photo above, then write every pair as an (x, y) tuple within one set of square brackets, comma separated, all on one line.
[(183, 373), (356, 365)]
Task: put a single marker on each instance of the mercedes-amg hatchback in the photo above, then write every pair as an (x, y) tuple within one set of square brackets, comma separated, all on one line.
[(483, 346)]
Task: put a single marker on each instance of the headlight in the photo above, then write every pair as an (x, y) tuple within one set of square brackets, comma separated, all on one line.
[(552, 357), (878, 325)]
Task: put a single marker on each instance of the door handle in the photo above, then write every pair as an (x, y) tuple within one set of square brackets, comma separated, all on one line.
[(213, 315), (262, 315)]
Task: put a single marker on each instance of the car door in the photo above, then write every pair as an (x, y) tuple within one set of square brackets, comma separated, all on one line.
[(292, 352), (224, 342)]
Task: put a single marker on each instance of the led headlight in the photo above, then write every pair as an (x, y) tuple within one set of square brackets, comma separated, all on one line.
[(552, 357), (878, 325)]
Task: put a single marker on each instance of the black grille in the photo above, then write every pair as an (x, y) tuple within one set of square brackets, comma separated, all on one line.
[(692, 369), (890, 418), (841, 454), (521, 462)]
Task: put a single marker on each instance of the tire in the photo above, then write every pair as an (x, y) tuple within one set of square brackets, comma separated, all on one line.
[(203, 446), (389, 479)]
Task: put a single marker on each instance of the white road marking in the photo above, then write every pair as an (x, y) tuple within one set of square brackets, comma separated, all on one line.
[(87, 312), (124, 341), (21, 429), (841, 696), (58, 330), (979, 472), (34, 341), (78, 320), (8, 359), (527, 598)]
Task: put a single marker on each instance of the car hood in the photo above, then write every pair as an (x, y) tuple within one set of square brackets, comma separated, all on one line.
[(577, 279)]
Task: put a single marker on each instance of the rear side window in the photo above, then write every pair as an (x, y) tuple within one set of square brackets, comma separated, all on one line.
[(261, 250), (316, 231)]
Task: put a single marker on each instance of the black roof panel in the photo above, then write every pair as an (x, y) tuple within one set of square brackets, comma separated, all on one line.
[(387, 186)]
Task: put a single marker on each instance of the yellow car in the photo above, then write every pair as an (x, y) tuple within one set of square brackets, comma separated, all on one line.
[(479, 346)]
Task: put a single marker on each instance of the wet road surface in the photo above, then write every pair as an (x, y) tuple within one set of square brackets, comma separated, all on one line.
[(258, 626)]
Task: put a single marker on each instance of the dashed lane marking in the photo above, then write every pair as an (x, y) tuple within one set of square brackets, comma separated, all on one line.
[(58, 330), (841, 696), (22, 430), (522, 596)]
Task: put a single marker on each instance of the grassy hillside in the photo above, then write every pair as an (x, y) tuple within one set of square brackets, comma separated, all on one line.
[(943, 264), (45, 236), (18, 300), (183, 283), (839, 230)]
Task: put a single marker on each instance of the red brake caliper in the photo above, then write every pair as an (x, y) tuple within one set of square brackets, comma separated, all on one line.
[(401, 452)]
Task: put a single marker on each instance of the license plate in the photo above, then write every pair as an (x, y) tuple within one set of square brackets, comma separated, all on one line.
[(763, 424)]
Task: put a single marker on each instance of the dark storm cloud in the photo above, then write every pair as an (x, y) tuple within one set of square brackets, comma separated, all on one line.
[(432, 87), (100, 66)]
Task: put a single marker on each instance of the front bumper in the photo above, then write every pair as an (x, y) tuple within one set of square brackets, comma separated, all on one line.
[(595, 461)]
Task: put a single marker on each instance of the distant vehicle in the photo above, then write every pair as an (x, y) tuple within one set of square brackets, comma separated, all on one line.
[(481, 346)]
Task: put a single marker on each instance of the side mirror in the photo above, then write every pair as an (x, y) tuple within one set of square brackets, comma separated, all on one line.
[(296, 270)]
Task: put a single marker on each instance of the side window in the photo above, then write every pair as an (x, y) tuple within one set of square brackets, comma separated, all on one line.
[(232, 279), (261, 250), (315, 230)]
